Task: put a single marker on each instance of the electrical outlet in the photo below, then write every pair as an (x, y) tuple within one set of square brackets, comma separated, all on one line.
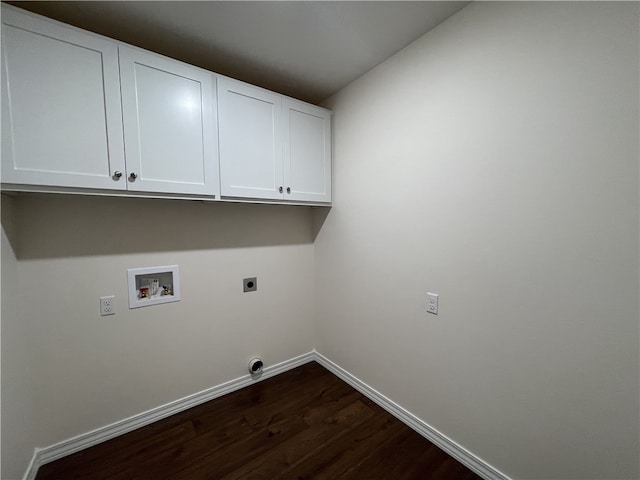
[(249, 284), (432, 303), (108, 305)]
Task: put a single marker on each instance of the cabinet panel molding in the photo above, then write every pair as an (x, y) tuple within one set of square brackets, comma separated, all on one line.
[(169, 124), (62, 121), (250, 140), (307, 151)]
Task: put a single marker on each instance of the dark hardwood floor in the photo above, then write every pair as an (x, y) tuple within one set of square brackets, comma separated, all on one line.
[(302, 424)]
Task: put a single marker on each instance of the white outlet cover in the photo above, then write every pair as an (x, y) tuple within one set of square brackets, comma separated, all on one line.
[(432, 303), (107, 305)]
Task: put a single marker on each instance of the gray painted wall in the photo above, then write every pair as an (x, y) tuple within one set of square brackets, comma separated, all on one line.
[(495, 161), (67, 371)]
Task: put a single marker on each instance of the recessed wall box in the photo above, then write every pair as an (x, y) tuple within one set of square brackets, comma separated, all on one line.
[(153, 285)]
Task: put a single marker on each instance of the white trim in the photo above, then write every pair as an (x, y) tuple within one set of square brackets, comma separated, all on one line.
[(51, 453), (212, 199), (33, 467), (45, 455), (461, 454)]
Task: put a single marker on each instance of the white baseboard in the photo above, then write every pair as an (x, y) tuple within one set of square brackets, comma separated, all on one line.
[(458, 452), (45, 455), (33, 467)]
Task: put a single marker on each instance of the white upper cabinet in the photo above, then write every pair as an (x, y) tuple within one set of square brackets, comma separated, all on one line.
[(306, 152), (81, 111), (61, 117), (271, 146), (250, 136), (169, 124)]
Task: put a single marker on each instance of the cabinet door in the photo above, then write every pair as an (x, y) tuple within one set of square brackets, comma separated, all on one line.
[(250, 141), (307, 152), (61, 117), (169, 124)]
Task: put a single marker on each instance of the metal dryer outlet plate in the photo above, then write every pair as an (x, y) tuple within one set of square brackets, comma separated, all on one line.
[(250, 284)]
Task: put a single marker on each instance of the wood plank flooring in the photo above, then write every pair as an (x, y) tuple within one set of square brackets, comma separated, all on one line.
[(303, 424)]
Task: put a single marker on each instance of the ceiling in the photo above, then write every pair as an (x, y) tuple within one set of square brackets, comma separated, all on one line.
[(305, 49)]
